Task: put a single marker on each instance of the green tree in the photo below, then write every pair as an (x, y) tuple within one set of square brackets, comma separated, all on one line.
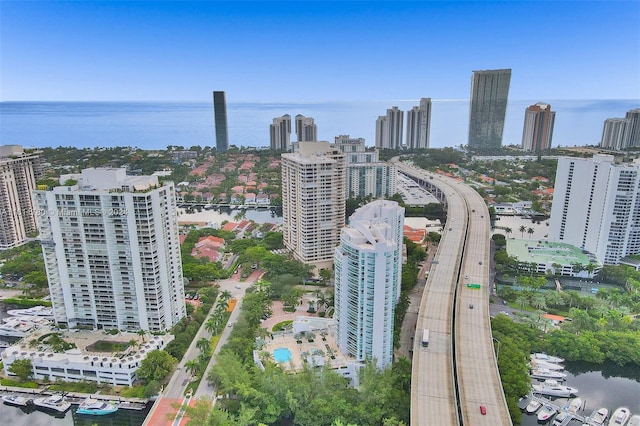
[(23, 368), (156, 366)]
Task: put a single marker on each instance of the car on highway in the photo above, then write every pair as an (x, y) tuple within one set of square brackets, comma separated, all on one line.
[(483, 410)]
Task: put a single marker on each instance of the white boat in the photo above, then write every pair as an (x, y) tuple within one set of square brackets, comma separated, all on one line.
[(535, 364), (573, 406), (547, 358), (560, 418), (599, 416), (21, 401), (634, 420), (53, 402), (546, 413), (533, 406), (36, 311), (543, 374), (17, 328), (96, 407), (553, 388), (39, 321), (620, 417)]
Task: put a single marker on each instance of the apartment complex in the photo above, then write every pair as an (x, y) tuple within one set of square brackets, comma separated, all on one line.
[(280, 133), (19, 170), (419, 125), (538, 127), (596, 206), (622, 133), (389, 129), (488, 107), (367, 176), (220, 118), (306, 130), (368, 272), (111, 251), (313, 201)]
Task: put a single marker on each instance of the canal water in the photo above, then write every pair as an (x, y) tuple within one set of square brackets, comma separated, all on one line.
[(598, 386)]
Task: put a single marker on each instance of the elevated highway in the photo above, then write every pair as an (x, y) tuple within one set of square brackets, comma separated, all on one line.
[(457, 372)]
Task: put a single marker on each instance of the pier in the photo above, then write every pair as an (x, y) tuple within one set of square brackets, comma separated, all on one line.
[(124, 403)]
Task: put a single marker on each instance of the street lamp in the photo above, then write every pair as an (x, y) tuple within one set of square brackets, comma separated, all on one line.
[(497, 350)]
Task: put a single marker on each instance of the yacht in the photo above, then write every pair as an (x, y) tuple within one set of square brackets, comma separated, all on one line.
[(96, 407), (21, 401), (533, 406), (573, 406), (36, 311), (53, 402), (537, 363), (620, 417), (634, 420), (560, 418), (543, 374), (16, 328), (553, 388), (546, 413), (548, 358), (599, 416)]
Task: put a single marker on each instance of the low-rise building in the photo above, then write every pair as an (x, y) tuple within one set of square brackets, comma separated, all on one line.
[(555, 258)]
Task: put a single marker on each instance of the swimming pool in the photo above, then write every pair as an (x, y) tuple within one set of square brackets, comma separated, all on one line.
[(282, 354)]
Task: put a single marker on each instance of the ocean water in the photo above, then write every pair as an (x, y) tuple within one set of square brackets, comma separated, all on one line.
[(155, 125)]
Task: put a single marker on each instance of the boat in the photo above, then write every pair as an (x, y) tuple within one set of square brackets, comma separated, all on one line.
[(553, 388), (544, 374), (548, 358), (546, 413), (21, 401), (36, 311), (573, 406), (560, 418), (53, 402), (524, 401), (599, 416), (17, 328), (620, 417), (634, 420), (96, 407), (535, 364), (533, 406)]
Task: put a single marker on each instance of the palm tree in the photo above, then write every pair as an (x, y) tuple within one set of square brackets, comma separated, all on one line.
[(224, 296), (522, 230), (530, 232), (508, 231), (142, 333), (204, 345), (521, 301), (538, 301), (193, 367), (212, 325)]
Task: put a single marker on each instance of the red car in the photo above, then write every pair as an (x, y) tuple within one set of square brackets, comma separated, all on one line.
[(483, 410)]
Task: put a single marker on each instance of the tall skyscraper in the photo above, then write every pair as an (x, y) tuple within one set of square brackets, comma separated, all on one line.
[(280, 133), (220, 113), (368, 273), (615, 133), (596, 206), (111, 251), (19, 170), (538, 127), (306, 130), (389, 129), (313, 201), (634, 127), (419, 125), (489, 93)]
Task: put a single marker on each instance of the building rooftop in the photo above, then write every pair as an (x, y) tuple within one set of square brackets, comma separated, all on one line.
[(540, 251)]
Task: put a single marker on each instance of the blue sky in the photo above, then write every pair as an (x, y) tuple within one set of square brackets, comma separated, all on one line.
[(265, 51)]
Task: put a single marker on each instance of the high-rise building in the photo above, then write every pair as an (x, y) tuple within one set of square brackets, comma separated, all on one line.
[(615, 133), (538, 127), (368, 273), (488, 107), (634, 127), (347, 144), (306, 130), (111, 251), (389, 129), (419, 125), (596, 206), (313, 201), (220, 116), (19, 170), (280, 133)]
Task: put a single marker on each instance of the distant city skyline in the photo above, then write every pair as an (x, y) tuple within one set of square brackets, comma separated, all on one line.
[(179, 51)]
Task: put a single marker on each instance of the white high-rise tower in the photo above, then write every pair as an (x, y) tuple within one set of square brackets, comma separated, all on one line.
[(111, 251), (419, 125), (389, 129), (368, 273)]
